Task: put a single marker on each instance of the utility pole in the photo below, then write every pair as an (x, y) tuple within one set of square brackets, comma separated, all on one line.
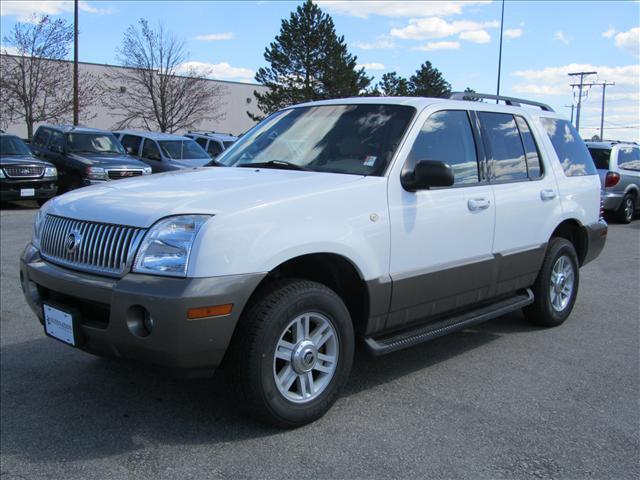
[(75, 63), (580, 86), (572, 107), (604, 89), (500, 53)]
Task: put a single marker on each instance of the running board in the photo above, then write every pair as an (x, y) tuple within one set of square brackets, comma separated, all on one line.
[(424, 333)]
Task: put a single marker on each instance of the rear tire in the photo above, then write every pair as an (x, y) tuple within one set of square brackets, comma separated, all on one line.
[(627, 209), (556, 288), (291, 353)]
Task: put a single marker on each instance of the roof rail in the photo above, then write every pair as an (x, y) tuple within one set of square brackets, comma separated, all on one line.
[(511, 101)]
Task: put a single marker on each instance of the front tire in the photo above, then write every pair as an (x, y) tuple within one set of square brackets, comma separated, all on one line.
[(627, 209), (556, 288), (291, 353)]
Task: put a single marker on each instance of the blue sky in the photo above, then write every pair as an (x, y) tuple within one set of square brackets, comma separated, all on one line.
[(543, 42)]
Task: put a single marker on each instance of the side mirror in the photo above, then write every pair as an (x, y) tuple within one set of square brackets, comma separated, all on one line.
[(427, 174)]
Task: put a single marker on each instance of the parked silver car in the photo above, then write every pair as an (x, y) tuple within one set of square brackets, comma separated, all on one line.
[(214, 143), (618, 164)]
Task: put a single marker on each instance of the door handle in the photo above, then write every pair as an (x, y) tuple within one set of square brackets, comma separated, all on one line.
[(547, 194), (475, 204)]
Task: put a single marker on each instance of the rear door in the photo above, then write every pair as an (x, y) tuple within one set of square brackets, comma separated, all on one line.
[(441, 239), (526, 196)]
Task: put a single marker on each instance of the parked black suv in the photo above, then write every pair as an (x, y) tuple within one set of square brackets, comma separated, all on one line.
[(22, 176), (84, 156)]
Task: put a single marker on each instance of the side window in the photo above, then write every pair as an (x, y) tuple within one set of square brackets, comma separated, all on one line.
[(214, 149), (446, 136), (629, 158), (150, 150), (571, 150), (201, 141), (131, 142), (534, 166), (56, 142), (41, 137), (507, 161)]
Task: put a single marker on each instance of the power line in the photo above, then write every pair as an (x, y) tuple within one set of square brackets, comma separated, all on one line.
[(604, 86), (580, 85)]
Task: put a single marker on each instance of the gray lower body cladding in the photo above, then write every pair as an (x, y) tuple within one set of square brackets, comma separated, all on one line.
[(106, 305)]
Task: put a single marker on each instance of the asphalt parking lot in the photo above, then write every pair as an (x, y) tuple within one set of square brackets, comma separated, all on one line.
[(503, 400)]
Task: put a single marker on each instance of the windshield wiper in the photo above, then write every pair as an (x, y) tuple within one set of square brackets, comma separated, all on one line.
[(274, 163)]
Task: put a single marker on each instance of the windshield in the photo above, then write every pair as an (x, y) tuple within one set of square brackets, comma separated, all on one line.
[(10, 145), (182, 149), (93, 143), (354, 139), (600, 157)]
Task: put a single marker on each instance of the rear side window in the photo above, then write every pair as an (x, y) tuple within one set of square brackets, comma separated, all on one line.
[(132, 143), (571, 150), (446, 136), (629, 158), (507, 157), (41, 137), (214, 148), (600, 157), (534, 167)]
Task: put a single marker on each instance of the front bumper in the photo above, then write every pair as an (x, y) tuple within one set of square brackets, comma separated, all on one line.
[(11, 189), (107, 310), (596, 238)]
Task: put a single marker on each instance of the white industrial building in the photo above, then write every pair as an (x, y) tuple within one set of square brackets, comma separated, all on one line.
[(237, 99)]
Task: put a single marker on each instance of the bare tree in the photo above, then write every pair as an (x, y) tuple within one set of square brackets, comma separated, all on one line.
[(158, 89), (35, 81)]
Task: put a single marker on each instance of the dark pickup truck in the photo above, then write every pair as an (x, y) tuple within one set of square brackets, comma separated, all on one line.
[(84, 156)]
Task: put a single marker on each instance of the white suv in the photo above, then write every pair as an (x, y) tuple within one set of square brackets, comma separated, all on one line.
[(393, 220)]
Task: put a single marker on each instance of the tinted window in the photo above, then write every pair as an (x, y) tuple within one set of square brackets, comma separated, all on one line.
[(629, 158), (10, 145), (507, 161), (228, 144), (41, 137), (56, 140), (201, 141), (353, 139), (214, 148), (131, 142), (182, 149), (571, 150), (534, 167), (447, 137), (150, 150), (600, 157), (94, 143)]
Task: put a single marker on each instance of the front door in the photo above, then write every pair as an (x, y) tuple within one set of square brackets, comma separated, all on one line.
[(441, 239)]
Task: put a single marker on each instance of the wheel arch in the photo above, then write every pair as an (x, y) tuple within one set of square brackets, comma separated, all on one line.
[(573, 231)]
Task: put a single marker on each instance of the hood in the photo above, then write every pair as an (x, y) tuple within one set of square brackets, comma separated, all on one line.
[(22, 160), (141, 201), (107, 161)]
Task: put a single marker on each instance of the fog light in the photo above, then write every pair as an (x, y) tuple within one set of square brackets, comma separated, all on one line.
[(148, 322), (139, 321)]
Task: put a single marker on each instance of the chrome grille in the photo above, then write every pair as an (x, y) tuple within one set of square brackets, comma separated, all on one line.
[(23, 171), (100, 248), (118, 174)]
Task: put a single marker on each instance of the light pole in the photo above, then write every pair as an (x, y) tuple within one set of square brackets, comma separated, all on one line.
[(75, 63), (500, 52)]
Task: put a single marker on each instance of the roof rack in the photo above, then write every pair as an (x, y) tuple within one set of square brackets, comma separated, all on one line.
[(511, 101)]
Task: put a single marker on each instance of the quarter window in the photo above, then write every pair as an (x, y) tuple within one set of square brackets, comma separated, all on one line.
[(534, 167), (507, 157), (571, 150), (447, 137), (629, 158)]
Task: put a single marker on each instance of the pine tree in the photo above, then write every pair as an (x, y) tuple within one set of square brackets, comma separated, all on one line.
[(429, 82), (307, 61), (391, 85)]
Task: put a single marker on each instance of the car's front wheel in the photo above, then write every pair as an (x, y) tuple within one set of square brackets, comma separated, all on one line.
[(292, 353)]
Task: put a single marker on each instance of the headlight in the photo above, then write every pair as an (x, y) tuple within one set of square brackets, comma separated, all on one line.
[(2, 173), (146, 170), (167, 245), (50, 172), (37, 228), (96, 173)]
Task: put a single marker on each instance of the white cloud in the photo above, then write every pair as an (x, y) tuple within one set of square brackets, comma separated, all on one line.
[(629, 41), (513, 32), (628, 75), (372, 66), (609, 33), (222, 71), (561, 37), (433, 27), (476, 36), (212, 37), (380, 43), (24, 10), (396, 9), (438, 46)]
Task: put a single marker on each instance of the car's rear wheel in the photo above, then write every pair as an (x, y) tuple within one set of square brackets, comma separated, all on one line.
[(556, 288), (627, 209), (291, 353)]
